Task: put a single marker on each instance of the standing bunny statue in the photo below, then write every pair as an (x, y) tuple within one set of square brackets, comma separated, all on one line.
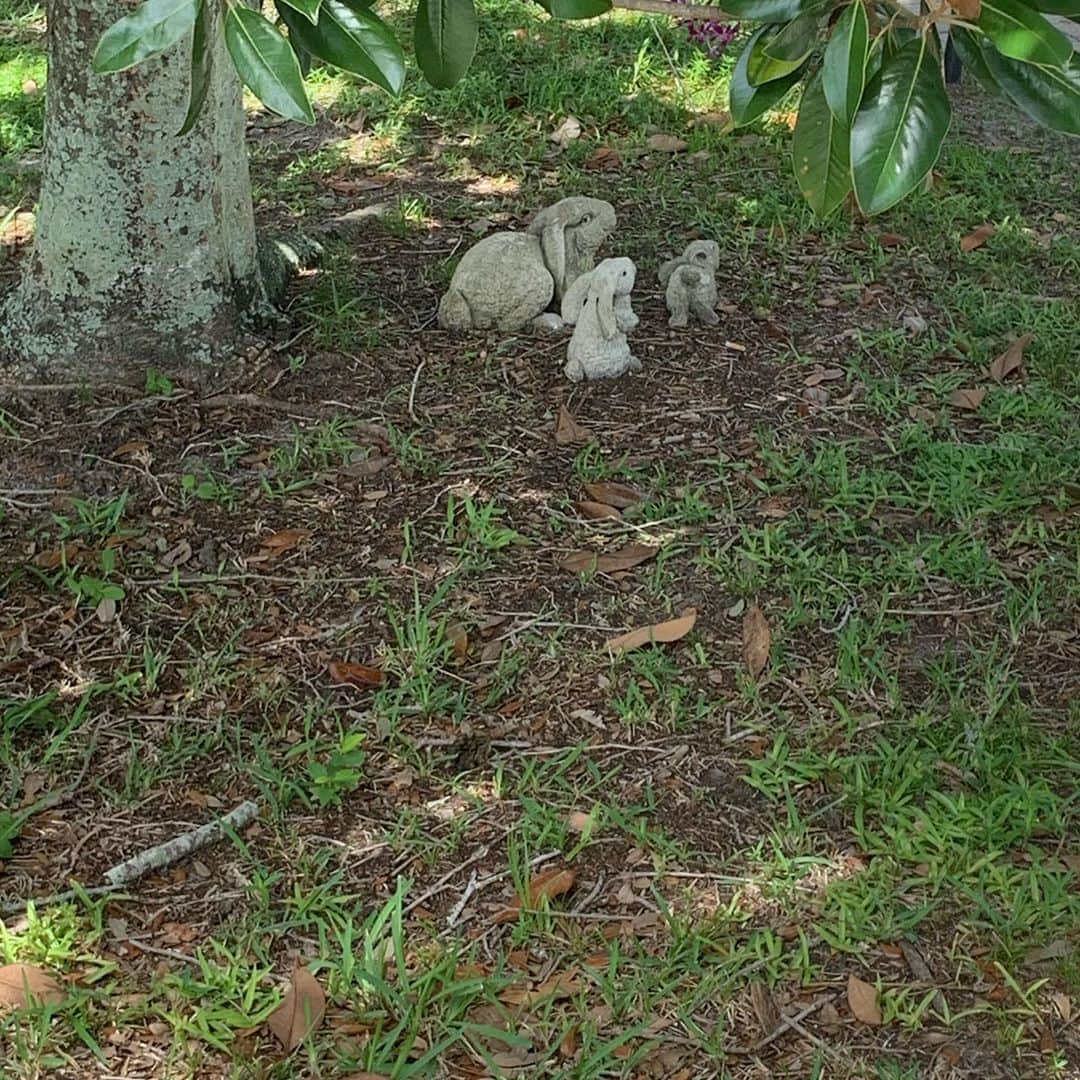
[(508, 279), (598, 305), (690, 282)]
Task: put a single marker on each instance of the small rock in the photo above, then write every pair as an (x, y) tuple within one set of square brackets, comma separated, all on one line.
[(566, 132), (362, 215), (915, 324), (208, 556), (548, 325)]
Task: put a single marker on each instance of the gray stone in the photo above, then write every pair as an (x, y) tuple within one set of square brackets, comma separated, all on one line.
[(548, 325), (603, 317), (690, 281), (507, 279)]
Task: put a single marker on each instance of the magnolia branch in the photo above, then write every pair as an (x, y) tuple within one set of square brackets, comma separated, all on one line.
[(690, 12), (687, 12)]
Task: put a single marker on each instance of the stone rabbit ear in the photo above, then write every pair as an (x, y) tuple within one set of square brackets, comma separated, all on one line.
[(602, 292), (551, 225)]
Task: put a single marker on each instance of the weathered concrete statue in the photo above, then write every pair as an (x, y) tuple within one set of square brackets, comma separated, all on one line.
[(690, 279), (508, 279), (602, 317)]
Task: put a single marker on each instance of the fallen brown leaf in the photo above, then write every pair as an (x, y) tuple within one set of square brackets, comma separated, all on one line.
[(563, 984), (177, 556), (568, 1048), (967, 9), (863, 1001), (1058, 949), (765, 1008), (284, 540), (300, 1012), (1011, 359), (132, 448), (595, 510), (979, 236), (715, 118), (756, 640), (358, 184), (967, 398), (891, 239), (602, 159), (669, 144), (23, 984), (823, 375), (672, 630), (551, 884), (567, 430), (348, 674), (68, 553), (618, 495), (458, 637), (626, 558), (546, 886)]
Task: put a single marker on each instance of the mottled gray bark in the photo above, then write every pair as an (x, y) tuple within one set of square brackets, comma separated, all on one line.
[(145, 250)]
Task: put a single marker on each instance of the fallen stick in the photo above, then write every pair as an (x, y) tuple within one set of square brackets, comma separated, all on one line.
[(685, 12), (172, 850)]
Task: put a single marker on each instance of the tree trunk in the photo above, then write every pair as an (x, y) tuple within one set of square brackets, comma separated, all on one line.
[(145, 251)]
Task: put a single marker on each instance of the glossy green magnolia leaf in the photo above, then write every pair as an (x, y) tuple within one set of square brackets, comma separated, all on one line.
[(151, 28), (266, 64), (794, 41), (445, 39), (967, 48), (746, 101), (762, 68), (1049, 95), (575, 9), (1070, 8), (1023, 34), (844, 67), (820, 152), (895, 39), (898, 131), (201, 68), (308, 8), (772, 11), (351, 37)]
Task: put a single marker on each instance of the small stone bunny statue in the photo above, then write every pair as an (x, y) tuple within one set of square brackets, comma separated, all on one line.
[(599, 308), (690, 279)]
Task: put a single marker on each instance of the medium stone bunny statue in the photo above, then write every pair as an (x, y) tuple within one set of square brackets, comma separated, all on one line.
[(691, 284), (602, 318), (508, 279)]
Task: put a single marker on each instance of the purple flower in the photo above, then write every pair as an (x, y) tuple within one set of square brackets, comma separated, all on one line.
[(713, 37)]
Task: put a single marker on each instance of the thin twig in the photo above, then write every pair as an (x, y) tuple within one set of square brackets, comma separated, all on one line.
[(412, 390), (17, 907), (442, 883), (786, 1024), (180, 846)]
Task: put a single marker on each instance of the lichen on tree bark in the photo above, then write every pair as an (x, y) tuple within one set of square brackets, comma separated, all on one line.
[(145, 252)]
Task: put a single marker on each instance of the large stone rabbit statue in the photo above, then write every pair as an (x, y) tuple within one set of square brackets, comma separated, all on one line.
[(507, 279)]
